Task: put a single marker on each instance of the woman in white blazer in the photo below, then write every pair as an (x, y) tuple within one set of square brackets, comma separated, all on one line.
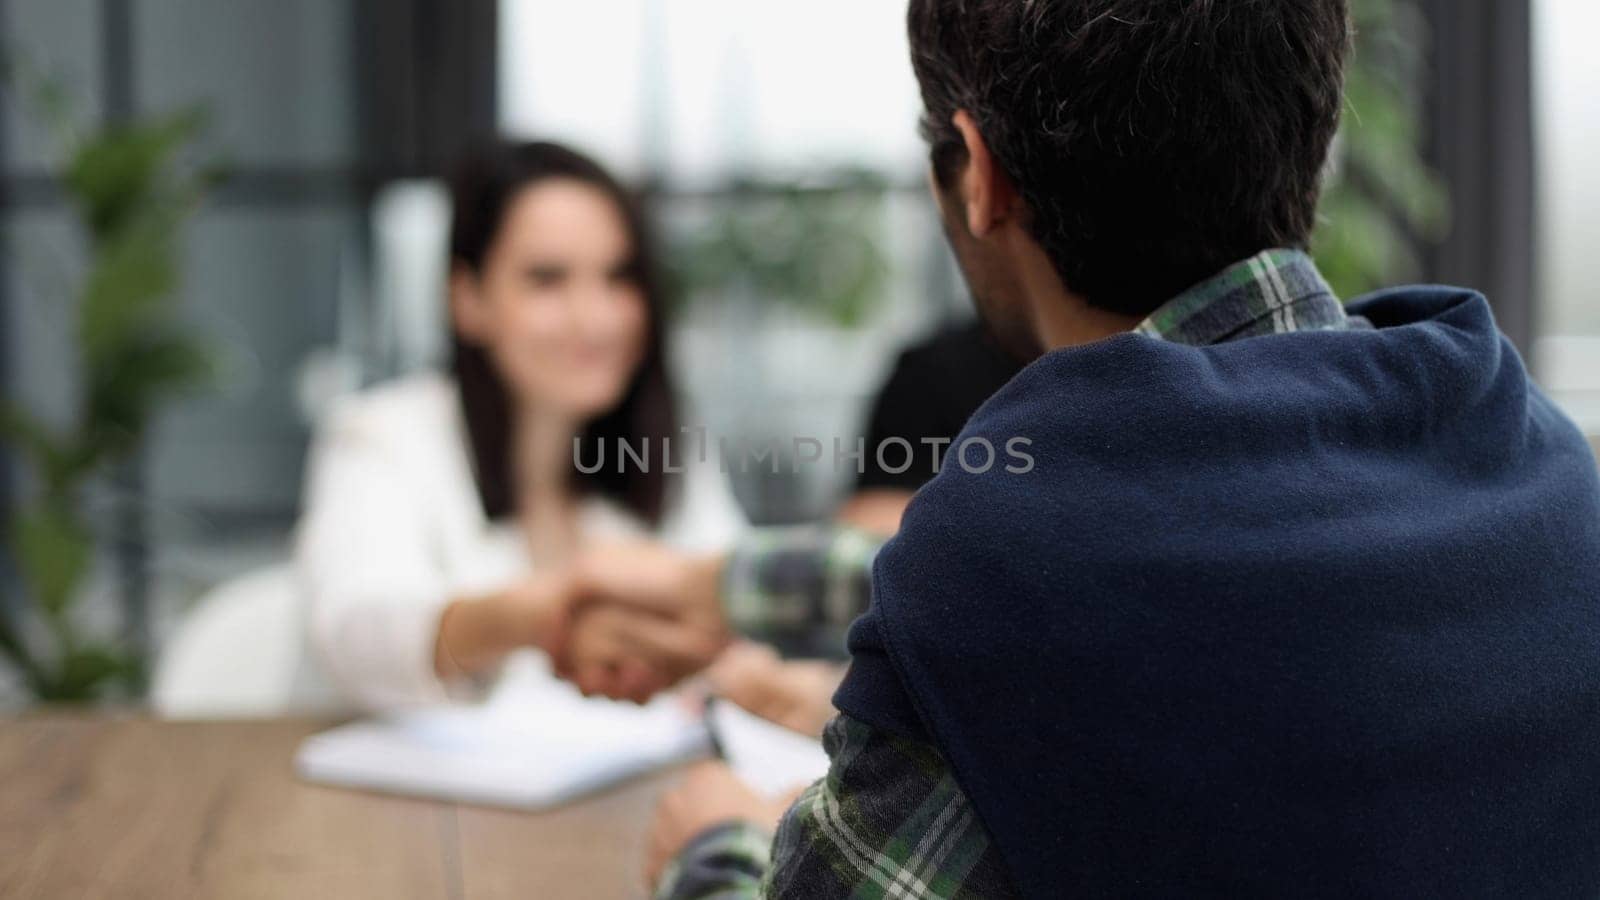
[(442, 509)]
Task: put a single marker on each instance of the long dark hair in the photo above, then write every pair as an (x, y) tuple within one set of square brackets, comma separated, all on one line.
[(482, 189)]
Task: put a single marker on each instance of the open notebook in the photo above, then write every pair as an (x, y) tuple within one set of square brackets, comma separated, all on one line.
[(538, 743)]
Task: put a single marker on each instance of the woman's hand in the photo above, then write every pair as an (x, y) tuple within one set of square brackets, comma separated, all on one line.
[(476, 633), (653, 580)]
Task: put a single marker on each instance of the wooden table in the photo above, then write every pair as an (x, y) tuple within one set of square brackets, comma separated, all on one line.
[(97, 807)]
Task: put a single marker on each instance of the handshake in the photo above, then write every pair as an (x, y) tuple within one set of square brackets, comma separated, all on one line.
[(626, 622), (623, 621), (639, 618)]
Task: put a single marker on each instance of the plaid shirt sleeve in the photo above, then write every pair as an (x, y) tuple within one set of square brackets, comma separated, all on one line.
[(798, 580), (888, 821), (728, 862)]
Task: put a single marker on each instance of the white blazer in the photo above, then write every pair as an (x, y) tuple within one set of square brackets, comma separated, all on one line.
[(393, 530)]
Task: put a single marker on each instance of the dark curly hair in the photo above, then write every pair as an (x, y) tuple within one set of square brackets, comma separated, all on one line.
[(1155, 142)]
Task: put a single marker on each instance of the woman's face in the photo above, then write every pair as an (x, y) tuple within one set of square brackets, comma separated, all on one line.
[(556, 305)]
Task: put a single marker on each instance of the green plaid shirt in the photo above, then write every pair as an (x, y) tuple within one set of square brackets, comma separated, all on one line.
[(782, 582), (889, 820)]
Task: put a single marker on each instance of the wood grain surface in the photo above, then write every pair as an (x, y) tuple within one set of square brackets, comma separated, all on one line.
[(135, 808)]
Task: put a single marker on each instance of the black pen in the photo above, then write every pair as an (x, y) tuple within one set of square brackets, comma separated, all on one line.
[(718, 748)]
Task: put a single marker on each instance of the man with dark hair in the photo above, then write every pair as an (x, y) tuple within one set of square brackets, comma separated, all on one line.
[(1296, 600)]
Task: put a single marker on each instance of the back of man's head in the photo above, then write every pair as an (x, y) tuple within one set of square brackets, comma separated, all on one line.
[(1154, 142)]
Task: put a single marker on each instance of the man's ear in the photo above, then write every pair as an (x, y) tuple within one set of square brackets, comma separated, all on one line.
[(467, 314), (984, 187)]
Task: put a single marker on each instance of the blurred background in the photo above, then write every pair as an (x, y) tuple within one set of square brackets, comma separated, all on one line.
[(217, 215)]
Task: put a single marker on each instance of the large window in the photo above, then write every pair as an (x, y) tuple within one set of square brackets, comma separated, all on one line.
[(692, 91), (1568, 84)]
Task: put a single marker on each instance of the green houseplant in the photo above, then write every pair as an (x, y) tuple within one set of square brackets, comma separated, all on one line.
[(131, 188), (814, 246)]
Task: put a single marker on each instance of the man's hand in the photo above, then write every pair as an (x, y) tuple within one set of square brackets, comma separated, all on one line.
[(797, 695), (645, 617), (710, 795)]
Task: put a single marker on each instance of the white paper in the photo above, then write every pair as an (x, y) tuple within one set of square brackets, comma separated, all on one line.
[(538, 743), (770, 758)]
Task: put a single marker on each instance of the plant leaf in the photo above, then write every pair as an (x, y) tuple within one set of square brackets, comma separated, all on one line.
[(87, 672), (12, 645), (117, 171), (134, 272), (28, 435), (53, 551), (124, 391)]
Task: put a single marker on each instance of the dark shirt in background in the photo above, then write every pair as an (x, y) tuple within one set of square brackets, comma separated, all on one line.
[(936, 385)]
